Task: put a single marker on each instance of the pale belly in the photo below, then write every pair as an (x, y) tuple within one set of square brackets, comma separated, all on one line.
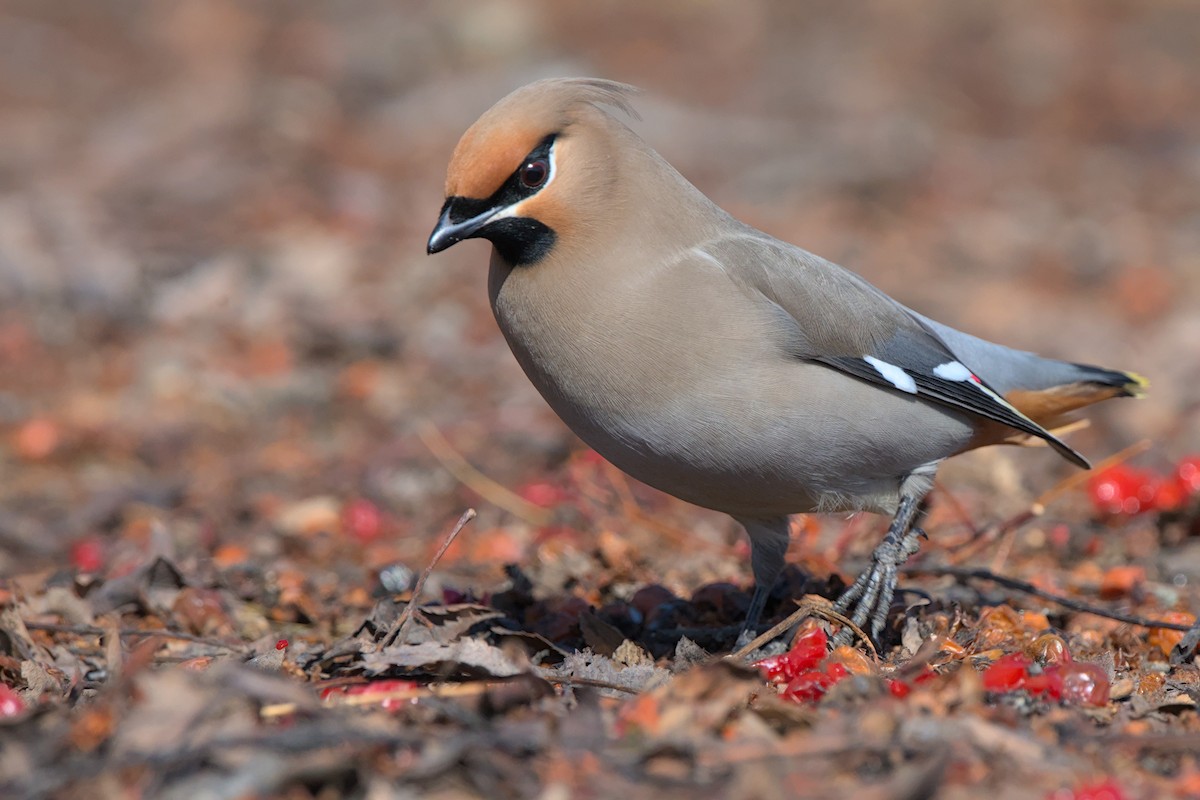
[(736, 426)]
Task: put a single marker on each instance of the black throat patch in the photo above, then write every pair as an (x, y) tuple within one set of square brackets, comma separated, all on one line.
[(520, 241)]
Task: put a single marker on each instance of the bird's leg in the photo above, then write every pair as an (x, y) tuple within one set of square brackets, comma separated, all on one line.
[(870, 597), (768, 546), (758, 601)]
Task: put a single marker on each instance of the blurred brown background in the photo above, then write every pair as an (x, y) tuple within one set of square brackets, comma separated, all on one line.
[(215, 304)]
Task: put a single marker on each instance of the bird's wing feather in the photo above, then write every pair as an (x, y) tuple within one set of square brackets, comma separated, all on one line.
[(847, 324)]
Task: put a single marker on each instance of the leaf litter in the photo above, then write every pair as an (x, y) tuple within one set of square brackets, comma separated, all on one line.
[(236, 418)]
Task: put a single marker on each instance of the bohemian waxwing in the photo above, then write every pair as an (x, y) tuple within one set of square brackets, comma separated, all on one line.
[(718, 364)]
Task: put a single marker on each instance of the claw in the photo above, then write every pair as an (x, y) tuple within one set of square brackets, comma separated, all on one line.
[(867, 601)]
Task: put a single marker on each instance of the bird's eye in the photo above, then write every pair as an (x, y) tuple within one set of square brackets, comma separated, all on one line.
[(534, 173)]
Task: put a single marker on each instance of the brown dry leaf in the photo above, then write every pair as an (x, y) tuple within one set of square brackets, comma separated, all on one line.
[(63, 602), (217, 323), (152, 584), (631, 655), (470, 656), (17, 638), (701, 701), (603, 638), (606, 672), (176, 708), (1121, 580), (448, 623)]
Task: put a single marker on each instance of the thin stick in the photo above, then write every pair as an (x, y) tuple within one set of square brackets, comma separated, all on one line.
[(481, 484), (1183, 650), (807, 609), (406, 615), (960, 511), (595, 683), (1135, 449), (964, 573), (1038, 507), (92, 630)]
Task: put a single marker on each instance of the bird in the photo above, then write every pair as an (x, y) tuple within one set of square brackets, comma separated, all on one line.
[(716, 363)]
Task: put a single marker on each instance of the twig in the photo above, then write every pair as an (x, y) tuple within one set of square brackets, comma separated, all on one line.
[(412, 693), (406, 615), (92, 630), (1038, 507), (806, 609), (1185, 648), (1135, 449), (966, 573), (594, 682), (302, 738), (1186, 741), (481, 484), (960, 511)]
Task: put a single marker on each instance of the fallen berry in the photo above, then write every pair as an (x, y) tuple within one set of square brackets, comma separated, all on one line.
[(87, 554), (808, 651), (1083, 683), (1125, 490), (1048, 683), (809, 686), (1108, 790), (1072, 682), (544, 495), (1122, 489), (362, 520), (11, 703), (390, 694), (1006, 673), (1187, 474)]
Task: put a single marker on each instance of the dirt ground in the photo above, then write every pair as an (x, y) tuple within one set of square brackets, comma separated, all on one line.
[(241, 409)]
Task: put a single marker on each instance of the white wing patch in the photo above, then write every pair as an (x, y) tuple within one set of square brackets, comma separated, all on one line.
[(958, 371), (893, 374), (953, 371)]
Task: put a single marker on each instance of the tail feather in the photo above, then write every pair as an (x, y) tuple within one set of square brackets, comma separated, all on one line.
[(1049, 407), (1129, 384), (1044, 389)]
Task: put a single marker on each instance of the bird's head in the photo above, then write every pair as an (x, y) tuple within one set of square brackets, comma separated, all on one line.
[(523, 175)]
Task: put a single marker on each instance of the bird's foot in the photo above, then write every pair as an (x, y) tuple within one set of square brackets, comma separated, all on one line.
[(867, 602)]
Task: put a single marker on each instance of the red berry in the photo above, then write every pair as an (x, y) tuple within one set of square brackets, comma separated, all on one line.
[(1006, 673), (837, 671), (810, 648), (778, 669), (808, 686), (11, 703), (1084, 683), (1047, 682), (925, 676), (452, 597), (898, 689), (546, 495), (807, 653), (1122, 489), (1108, 790), (87, 554), (385, 688), (281, 644), (1170, 495), (1187, 474), (362, 520)]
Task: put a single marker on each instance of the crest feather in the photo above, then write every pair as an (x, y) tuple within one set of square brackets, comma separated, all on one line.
[(493, 147)]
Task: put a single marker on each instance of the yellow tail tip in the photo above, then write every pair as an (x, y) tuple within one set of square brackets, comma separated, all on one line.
[(1137, 385)]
